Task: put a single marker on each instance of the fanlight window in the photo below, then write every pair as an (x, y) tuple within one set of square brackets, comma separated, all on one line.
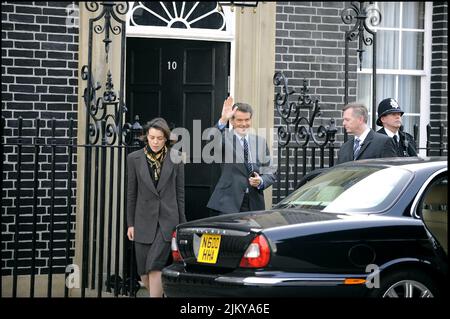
[(181, 15)]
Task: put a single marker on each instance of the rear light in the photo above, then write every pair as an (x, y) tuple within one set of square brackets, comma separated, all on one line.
[(257, 254), (354, 281), (173, 245)]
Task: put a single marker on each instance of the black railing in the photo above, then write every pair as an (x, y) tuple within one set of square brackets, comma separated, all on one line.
[(44, 180), (364, 16), (298, 132), (38, 163), (106, 150)]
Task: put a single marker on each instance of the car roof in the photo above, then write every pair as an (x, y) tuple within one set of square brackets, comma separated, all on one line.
[(411, 163)]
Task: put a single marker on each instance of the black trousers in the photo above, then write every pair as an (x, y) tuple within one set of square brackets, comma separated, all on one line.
[(245, 207)]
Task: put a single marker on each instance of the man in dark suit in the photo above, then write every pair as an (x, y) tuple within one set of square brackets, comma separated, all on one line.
[(390, 118), (247, 169), (365, 143)]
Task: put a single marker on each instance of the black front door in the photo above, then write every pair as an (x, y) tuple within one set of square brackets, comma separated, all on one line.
[(182, 81)]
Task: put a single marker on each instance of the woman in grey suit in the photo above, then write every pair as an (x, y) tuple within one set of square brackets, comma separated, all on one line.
[(155, 203)]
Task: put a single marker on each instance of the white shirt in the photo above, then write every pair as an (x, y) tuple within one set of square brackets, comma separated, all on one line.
[(363, 136), (239, 137), (391, 134)]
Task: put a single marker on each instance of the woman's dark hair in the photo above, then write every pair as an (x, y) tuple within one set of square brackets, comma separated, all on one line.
[(160, 124)]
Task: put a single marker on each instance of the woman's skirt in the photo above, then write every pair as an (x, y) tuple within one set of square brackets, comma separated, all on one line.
[(154, 256)]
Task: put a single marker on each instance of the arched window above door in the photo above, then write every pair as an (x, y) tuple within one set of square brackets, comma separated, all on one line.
[(183, 15), (178, 19)]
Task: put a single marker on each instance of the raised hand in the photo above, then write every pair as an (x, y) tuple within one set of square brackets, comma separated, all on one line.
[(227, 110)]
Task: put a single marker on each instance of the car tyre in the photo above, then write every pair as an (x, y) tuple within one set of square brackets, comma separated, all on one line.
[(406, 284)]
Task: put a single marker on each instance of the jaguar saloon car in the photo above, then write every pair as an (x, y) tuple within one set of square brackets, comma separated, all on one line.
[(369, 228)]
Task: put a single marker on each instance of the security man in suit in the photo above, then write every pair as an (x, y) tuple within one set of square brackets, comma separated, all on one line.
[(247, 168), (366, 143), (390, 118)]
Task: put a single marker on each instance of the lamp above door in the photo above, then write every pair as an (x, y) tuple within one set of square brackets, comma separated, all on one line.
[(241, 4)]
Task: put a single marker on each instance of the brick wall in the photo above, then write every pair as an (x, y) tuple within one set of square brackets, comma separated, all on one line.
[(439, 72), (310, 45), (39, 80)]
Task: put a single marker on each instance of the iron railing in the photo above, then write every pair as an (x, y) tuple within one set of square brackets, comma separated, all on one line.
[(364, 16), (297, 132), (45, 175)]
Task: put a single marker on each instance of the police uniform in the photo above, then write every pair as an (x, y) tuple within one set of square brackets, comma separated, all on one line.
[(406, 145)]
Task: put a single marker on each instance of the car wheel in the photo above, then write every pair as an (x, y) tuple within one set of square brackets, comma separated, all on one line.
[(406, 284)]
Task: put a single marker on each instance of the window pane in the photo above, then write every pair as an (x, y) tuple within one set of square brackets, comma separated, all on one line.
[(387, 49), (366, 57), (408, 122), (409, 93), (390, 11), (364, 95), (345, 189), (413, 14), (385, 87), (412, 50)]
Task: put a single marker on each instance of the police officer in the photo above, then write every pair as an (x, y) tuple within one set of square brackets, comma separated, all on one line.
[(390, 118)]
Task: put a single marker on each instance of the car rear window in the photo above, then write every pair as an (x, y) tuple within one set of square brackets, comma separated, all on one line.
[(351, 189)]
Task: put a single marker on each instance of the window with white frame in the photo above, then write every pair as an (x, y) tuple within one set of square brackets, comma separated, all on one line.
[(403, 63)]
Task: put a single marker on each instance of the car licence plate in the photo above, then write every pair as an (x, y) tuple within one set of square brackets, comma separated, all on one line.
[(209, 249)]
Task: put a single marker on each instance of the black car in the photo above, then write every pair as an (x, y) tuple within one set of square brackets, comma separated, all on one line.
[(365, 228)]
